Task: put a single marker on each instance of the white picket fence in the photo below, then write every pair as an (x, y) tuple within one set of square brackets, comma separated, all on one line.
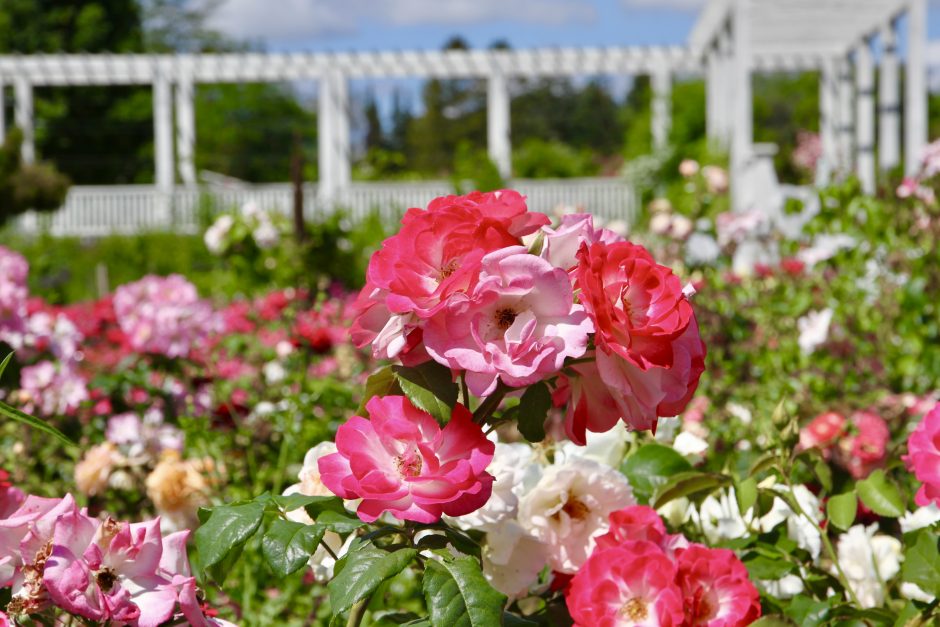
[(95, 211)]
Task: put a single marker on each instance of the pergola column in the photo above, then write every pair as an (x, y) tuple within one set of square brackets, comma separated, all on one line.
[(827, 118), (865, 116), (712, 93), (846, 116), (889, 105), (23, 117), (499, 144), (3, 118), (742, 129), (333, 131), (915, 102), (725, 66), (163, 133), (662, 107), (186, 129)]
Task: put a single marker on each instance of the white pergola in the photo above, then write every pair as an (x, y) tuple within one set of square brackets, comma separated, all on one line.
[(731, 34), (732, 39)]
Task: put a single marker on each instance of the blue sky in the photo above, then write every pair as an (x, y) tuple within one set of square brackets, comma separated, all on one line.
[(342, 25)]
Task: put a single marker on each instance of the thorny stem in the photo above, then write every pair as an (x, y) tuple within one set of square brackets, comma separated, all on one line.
[(463, 389), (329, 550)]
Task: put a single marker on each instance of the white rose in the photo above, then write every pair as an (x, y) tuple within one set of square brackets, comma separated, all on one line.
[(215, 234), (512, 559), (860, 553), (516, 472), (569, 508)]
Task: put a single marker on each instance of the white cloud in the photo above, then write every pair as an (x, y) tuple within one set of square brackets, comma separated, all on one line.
[(682, 5), (298, 19)]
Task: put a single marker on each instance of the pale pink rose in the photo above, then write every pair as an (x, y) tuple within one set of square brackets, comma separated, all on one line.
[(401, 461), (52, 389), (923, 457), (688, 167), (808, 151), (13, 291), (119, 572), (562, 244), (26, 530), (631, 584), (716, 179), (517, 325), (715, 588)]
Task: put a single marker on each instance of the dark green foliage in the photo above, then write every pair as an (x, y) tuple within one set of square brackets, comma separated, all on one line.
[(24, 186)]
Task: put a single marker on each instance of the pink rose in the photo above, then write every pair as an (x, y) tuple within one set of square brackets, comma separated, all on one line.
[(631, 584), (923, 457), (506, 206), (715, 588), (822, 432), (402, 462), (562, 244), (518, 323), (637, 522), (866, 450)]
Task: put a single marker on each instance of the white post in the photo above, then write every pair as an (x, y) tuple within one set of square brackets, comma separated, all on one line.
[(163, 134), (3, 119), (713, 93), (889, 106), (827, 121), (846, 115), (742, 130), (333, 131), (725, 98), (498, 141), (186, 130), (23, 117), (662, 107), (865, 116), (915, 102)]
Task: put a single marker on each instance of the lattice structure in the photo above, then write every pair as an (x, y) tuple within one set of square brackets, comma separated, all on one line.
[(732, 40), (731, 34)]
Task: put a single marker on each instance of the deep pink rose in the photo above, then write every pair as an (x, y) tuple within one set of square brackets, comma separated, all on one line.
[(923, 457), (631, 584), (822, 432), (518, 324), (401, 461), (866, 449), (637, 522), (649, 354), (506, 206), (715, 588)]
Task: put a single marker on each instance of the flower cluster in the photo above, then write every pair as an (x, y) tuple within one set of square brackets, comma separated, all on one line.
[(163, 315), (264, 228), (640, 575), (858, 444), (13, 291), (458, 285), (58, 558)]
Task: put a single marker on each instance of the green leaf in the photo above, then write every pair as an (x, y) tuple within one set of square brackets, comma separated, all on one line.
[(841, 509), (512, 620), (364, 570), (768, 568), (341, 523), (458, 594), (823, 473), (808, 612), (880, 495), (651, 467), (228, 528), (773, 621), (745, 492), (430, 387), (922, 563), (533, 409), (688, 483), (35, 423), (3, 365), (380, 383), (762, 463), (288, 545), (313, 504)]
